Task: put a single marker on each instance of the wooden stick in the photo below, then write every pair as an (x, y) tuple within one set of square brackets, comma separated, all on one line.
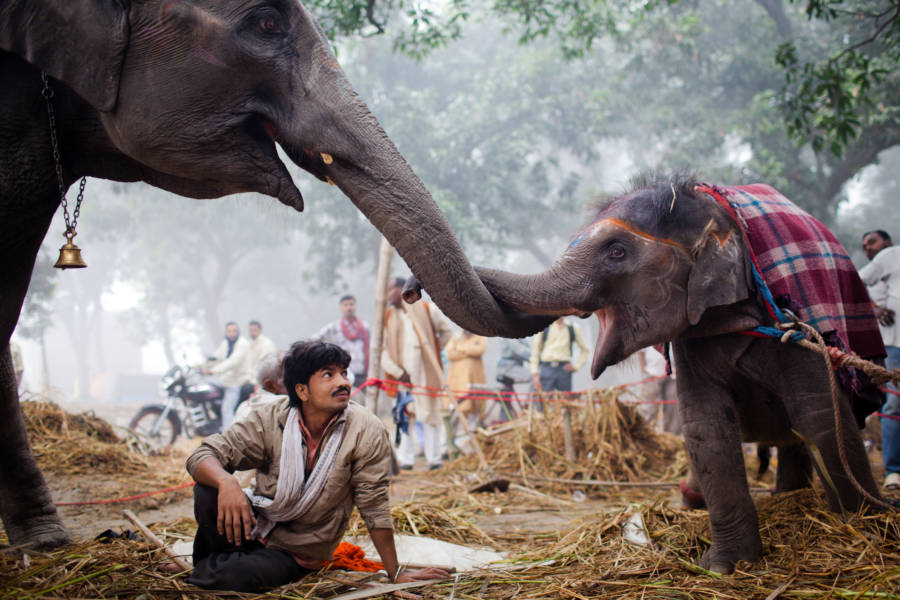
[(612, 483), (381, 589), (568, 434), (184, 566), (385, 256)]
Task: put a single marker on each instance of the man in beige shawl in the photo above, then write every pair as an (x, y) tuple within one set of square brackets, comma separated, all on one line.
[(414, 335)]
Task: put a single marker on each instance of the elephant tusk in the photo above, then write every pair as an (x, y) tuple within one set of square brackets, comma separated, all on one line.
[(328, 179), (327, 158)]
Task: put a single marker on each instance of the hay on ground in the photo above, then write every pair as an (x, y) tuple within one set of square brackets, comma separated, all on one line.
[(809, 553)]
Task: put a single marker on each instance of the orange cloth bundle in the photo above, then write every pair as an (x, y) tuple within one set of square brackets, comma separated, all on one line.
[(350, 557)]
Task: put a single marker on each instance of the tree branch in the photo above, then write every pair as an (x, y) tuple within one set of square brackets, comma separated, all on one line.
[(370, 16), (776, 10)]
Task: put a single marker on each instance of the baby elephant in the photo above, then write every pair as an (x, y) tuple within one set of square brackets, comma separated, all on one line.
[(711, 270)]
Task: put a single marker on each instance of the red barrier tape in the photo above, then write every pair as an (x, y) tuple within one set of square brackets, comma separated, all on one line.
[(476, 394), (114, 500)]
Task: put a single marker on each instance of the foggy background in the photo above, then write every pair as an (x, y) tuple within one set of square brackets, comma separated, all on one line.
[(515, 143)]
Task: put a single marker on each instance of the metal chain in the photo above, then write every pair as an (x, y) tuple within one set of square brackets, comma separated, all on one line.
[(47, 93)]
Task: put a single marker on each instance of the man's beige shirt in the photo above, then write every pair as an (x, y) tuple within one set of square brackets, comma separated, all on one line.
[(359, 478), (557, 348)]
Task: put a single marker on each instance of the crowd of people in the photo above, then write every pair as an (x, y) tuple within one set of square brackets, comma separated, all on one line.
[(440, 374)]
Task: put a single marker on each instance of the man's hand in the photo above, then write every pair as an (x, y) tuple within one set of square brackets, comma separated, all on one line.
[(884, 315), (536, 382), (568, 368), (422, 575), (235, 518)]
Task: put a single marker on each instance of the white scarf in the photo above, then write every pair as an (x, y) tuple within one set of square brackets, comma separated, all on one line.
[(293, 495)]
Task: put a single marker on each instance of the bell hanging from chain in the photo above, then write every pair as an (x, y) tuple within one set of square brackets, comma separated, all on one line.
[(69, 254)]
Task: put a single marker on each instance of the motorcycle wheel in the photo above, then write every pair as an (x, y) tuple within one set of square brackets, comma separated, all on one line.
[(144, 422)]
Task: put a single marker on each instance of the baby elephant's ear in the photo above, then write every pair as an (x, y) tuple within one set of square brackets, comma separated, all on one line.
[(79, 42), (718, 275)]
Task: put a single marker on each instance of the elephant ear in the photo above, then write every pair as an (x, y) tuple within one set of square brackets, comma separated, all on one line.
[(79, 42), (719, 274)]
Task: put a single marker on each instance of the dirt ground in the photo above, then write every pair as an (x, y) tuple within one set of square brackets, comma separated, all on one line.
[(87, 521)]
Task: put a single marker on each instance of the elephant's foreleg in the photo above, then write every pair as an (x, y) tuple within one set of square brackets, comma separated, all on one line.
[(29, 515), (26, 508), (713, 441)]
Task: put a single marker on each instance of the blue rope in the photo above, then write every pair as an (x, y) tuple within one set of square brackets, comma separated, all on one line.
[(770, 301)]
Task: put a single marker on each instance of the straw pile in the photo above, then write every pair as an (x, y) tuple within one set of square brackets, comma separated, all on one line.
[(80, 444), (84, 459), (612, 441)]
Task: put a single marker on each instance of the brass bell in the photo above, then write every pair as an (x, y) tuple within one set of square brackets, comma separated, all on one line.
[(69, 254)]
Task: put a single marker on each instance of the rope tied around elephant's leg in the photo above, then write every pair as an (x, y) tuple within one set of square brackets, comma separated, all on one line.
[(835, 359)]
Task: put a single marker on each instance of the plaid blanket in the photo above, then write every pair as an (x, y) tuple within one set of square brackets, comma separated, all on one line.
[(804, 266)]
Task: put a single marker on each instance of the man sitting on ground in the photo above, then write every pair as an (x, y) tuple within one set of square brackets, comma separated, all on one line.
[(316, 455)]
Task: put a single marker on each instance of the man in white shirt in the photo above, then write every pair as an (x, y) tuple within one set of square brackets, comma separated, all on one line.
[(882, 277), (230, 365), (260, 346), (352, 334)]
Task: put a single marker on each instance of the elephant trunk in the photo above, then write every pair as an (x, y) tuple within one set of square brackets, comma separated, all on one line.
[(397, 203), (356, 154), (551, 292)]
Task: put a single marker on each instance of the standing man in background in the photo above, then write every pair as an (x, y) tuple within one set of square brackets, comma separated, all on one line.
[(230, 364), (882, 278), (260, 346), (414, 335), (352, 334), (464, 351), (552, 361)]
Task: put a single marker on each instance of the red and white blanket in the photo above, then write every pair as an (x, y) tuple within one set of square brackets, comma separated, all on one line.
[(804, 266)]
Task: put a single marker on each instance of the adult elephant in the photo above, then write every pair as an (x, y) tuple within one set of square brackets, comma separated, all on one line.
[(190, 96), (673, 261)]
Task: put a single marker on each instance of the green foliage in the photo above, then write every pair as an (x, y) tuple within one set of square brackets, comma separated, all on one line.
[(828, 102)]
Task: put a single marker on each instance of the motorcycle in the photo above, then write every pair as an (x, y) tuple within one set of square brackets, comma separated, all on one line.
[(192, 406)]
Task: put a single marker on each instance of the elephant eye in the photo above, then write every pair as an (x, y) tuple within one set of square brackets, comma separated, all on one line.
[(615, 251), (269, 25)]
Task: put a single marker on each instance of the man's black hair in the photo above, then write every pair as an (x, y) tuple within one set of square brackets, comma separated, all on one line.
[(304, 359), (232, 323), (884, 235), (347, 297), (252, 323), (398, 281)]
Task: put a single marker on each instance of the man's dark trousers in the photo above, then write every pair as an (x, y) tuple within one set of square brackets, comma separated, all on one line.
[(220, 565), (555, 377)]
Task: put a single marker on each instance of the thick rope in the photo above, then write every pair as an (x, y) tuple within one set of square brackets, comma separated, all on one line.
[(838, 358)]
